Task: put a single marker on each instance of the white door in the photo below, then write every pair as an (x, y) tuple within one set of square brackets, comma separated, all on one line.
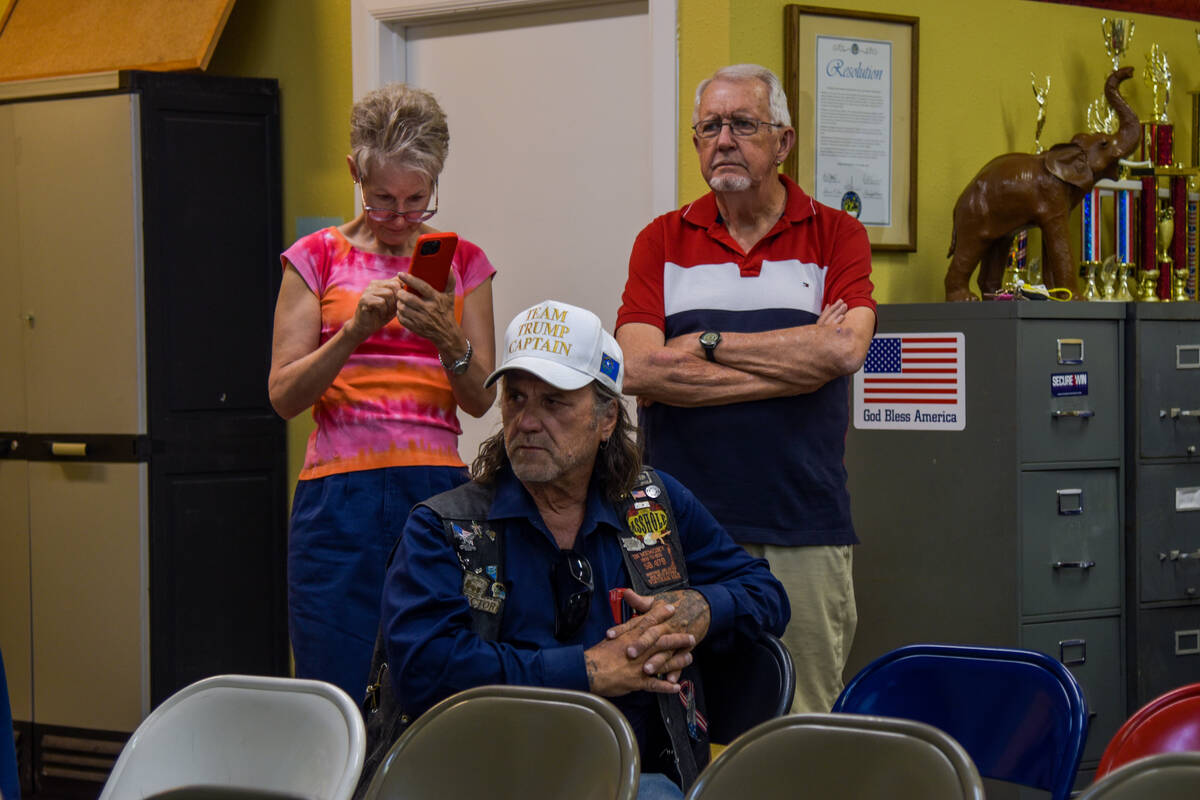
[(549, 171)]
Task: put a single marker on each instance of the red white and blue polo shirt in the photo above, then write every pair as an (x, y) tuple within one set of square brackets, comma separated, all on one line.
[(771, 471)]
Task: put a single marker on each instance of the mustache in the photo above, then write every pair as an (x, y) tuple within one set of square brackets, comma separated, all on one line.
[(526, 440)]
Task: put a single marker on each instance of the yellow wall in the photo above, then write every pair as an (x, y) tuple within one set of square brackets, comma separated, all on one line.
[(305, 44), (975, 99)]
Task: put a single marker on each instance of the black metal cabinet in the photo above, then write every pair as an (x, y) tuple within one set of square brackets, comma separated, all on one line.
[(143, 478)]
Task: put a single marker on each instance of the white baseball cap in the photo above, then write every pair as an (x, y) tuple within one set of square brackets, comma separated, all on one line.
[(564, 345)]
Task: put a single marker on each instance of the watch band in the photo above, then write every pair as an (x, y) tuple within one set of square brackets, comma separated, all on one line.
[(460, 366)]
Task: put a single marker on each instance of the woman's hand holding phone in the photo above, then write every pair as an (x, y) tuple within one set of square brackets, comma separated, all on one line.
[(427, 312), (427, 306)]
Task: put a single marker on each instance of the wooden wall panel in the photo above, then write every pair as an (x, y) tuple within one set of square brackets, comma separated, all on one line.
[(45, 38)]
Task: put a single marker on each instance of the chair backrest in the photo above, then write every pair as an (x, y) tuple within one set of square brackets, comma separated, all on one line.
[(1169, 723), (828, 756), (1019, 713), (513, 743), (1166, 776), (746, 684), (270, 735), (10, 783)]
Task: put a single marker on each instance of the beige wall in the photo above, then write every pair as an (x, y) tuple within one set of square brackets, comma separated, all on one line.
[(975, 99)]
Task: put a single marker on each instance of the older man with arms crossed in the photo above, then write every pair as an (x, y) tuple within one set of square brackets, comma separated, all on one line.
[(562, 490), (743, 316)]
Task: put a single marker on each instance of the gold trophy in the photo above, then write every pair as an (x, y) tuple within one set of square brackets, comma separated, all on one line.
[(1126, 288), (1108, 273), (1090, 290), (1165, 229), (1148, 286), (1118, 35), (1166, 235), (1157, 75), (1034, 270), (1039, 94), (1014, 275), (1101, 118)]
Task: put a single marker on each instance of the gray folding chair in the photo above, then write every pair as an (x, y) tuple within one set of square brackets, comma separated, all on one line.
[(835, 756), (244, 736), (1167, 776), (512, 743)]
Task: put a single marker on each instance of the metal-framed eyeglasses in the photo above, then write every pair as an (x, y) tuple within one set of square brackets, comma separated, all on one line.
[(738, 126), (571, 577), (388, 215)]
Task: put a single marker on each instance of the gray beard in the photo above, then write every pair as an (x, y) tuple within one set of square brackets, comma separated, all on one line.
[(729, 183)]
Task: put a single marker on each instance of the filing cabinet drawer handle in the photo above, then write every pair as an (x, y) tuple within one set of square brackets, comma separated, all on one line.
[(1070, 501), (1187, 643), (1176, 413), (1083, 413), (1073, 564), (1062, 652), (76, 449), (1176, 555), (1070, 351)]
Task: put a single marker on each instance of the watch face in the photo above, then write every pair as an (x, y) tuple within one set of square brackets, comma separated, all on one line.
[(710, 338)]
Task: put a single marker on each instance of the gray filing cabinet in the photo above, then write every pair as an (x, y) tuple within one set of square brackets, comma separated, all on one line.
[(1007, 532), (1163, 500)]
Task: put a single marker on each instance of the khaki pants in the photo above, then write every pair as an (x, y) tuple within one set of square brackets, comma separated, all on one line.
[(820, 588)]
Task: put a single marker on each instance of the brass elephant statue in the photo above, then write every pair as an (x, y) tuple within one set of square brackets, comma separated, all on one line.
[(1016, 190)]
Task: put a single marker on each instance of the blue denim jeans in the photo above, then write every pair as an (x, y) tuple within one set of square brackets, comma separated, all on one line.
[(342, 531), (656, 786)]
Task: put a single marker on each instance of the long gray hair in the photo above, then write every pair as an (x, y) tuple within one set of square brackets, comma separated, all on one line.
[(617, 463)]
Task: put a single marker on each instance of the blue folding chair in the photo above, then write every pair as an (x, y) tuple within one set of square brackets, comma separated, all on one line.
[(1019, 714), (10, 784)]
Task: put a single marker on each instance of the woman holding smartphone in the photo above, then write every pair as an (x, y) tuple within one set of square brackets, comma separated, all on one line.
[(385, 361)]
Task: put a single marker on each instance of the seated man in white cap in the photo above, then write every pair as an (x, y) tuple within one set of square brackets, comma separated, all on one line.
[(532, 573)]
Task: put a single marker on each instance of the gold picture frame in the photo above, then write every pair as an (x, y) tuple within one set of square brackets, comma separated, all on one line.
[(808, 32)]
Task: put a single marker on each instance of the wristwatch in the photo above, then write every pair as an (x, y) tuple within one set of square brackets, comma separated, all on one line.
[(709, 341), (459, 366)]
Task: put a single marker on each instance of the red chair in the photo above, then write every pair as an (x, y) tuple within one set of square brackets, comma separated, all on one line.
[(1168, 724)]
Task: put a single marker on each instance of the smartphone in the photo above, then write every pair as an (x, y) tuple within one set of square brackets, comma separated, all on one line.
[(431, 258)]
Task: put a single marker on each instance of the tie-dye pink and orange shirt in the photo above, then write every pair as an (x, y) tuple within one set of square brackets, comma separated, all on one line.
[(391, 405)]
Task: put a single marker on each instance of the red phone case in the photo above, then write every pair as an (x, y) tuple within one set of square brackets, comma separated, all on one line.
[(431, 258)]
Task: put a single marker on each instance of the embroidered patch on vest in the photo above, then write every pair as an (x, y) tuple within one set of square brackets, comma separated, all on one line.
[(648, 521), (658, 565)]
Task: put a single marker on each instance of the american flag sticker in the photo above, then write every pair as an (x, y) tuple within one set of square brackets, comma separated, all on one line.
[(913, 381)]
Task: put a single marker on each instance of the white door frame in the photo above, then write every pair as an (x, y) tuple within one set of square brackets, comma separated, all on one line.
[(378, 40)]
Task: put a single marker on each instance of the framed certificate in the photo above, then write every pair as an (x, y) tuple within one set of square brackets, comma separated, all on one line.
[(851, 81)]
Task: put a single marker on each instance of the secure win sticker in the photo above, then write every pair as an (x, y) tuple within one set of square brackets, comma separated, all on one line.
[(1068, 384)]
